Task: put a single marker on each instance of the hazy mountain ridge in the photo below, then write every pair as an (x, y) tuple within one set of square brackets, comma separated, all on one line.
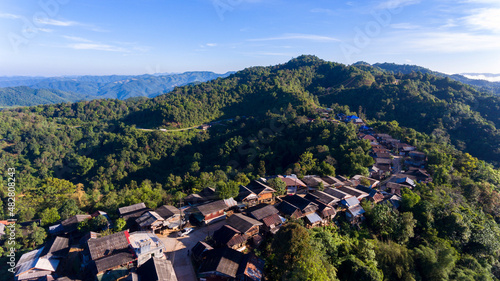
[(90, 87)]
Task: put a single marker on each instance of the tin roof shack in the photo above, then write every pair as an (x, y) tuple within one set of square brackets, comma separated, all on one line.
[(246, 225), (212, 212), (228, 236), (109, 253), (354, 192), (354, 212), (42, 262), (146, 245), (133, 211), (150, 221), (156, 269)]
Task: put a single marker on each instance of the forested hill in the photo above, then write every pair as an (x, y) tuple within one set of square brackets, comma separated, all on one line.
[(440, 107), (482, 85), (93, 155), (25, 96), (20, 91)]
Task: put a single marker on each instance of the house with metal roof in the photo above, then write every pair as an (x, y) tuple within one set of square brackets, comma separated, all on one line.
[(156, 269), (42, 262), (150, 220)]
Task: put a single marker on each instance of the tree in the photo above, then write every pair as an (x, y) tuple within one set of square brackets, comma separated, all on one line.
[(50, 216), (100, 223), (36, 235), (227, 190), (278, 184), (120, 224), (69, 208)]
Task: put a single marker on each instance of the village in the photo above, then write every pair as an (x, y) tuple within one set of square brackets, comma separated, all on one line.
[(208, 238)]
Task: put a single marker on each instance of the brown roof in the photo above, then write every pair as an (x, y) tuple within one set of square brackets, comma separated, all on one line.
[(207, 209), (229, 236), (148, 218), (292, 181), (225, 261), (157, 269), (108, 245), (259, 188), (264, 211), (133, 211), (273, 219), (322, 197), (113, 261), (383, 161), (242, 223), (167, 211), (57, 247), (132, 208)]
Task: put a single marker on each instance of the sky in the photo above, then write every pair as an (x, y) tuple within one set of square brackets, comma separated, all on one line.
[(105, 37)]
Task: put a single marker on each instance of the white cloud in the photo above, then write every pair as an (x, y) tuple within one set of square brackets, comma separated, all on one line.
[(394, 4), (47, 30), (404, 25), (484, 19), (78, 39), (9, 16), (49, 21), (493, 78), (324, 11), (211, 44), (97, 47), (298, 36)]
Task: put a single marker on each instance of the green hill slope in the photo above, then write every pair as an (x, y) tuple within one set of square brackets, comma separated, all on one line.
[(25, 96)]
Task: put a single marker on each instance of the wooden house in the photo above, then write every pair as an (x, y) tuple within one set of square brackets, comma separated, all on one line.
[(199, 250), (150, 221), (305, 206), (354, 192), (157, 269), (246, 225), (265, 194), (109, 252), (171, 216), (247, 197), (228, 236), (212, 212), (293, 184), (268, 215), (288, 210), (133, 211)]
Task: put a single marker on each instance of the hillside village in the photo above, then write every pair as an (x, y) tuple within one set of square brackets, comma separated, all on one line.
[(209, 238)]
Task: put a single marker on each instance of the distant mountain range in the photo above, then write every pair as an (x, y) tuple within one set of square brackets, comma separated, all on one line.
[(481, 81), (28, 91)]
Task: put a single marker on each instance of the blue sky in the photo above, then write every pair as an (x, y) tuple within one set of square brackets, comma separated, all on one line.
[(101, 37)]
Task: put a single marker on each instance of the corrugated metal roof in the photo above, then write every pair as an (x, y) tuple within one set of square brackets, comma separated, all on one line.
[(313, 218), (213, 207)]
